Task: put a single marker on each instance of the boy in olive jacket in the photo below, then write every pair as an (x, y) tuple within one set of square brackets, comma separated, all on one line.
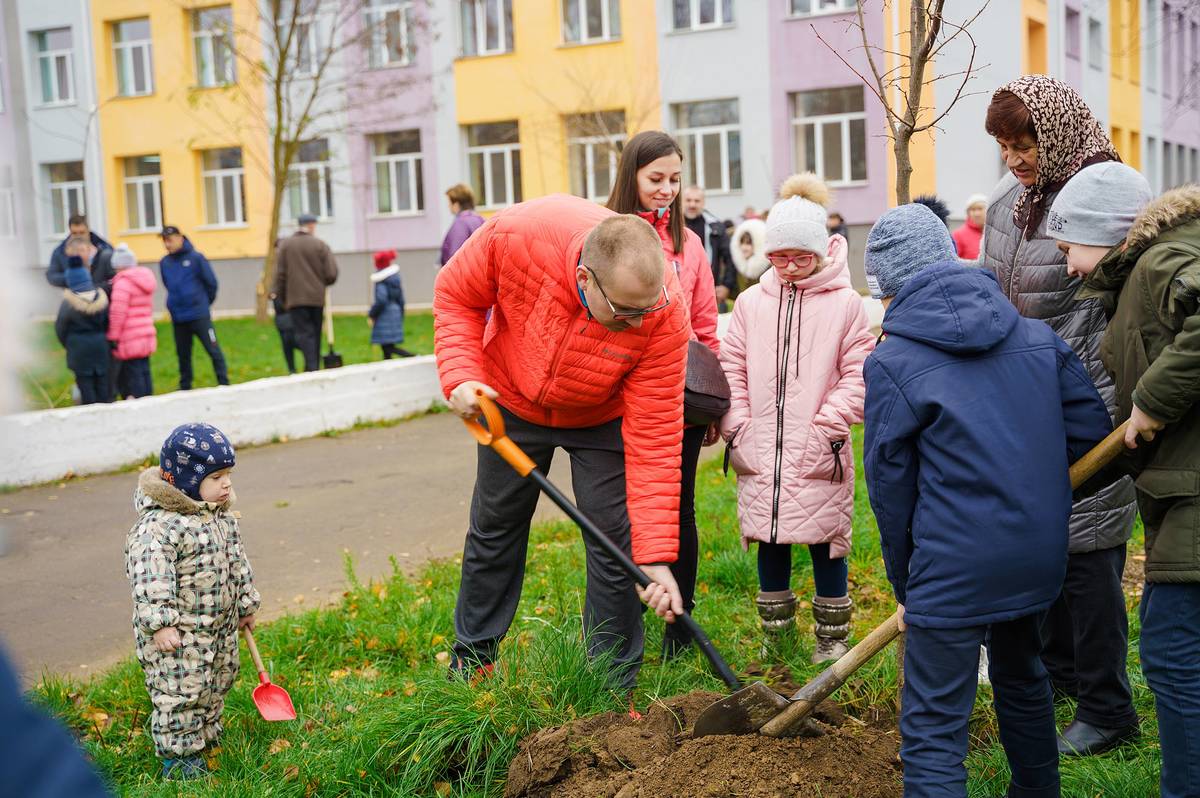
[(1144, 264)]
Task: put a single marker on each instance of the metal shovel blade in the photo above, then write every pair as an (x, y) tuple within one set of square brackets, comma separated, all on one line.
[(742, 712), (273, 701)]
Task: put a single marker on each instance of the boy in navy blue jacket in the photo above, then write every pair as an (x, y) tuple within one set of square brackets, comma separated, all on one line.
[(191, 288), (973, 415)]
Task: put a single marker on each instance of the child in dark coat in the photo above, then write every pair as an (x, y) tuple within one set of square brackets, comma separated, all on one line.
[(82, 329), (1143, 263), (973, 415), (387, 312)]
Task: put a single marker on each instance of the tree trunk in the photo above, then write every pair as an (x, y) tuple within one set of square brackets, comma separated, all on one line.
[(266, 280), (903, 166)]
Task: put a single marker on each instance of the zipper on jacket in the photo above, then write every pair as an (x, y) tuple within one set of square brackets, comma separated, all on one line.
[(558, 354), (780, 403)]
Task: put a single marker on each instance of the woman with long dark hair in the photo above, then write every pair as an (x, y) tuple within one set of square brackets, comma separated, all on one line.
[(648, 184)]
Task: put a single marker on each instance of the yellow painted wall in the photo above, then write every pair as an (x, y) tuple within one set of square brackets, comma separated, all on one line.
[(176, 122), (1034, 52), (1125, 91), (542, 81), (922, 147)]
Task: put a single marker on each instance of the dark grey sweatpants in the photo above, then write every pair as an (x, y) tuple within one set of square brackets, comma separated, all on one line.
[(494, 556)]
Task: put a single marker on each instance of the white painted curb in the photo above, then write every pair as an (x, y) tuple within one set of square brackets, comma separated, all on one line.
[(44, 445)]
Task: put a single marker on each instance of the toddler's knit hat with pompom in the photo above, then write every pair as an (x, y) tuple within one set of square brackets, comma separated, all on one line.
[(797, 221)]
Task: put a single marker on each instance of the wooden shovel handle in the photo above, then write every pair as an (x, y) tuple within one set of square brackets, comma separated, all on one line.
[(833, 677), (1086, 467), (258, 663), (808, 697)]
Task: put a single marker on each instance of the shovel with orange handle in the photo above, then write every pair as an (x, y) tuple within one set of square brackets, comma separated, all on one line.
[(493, 435), (758, 708), (273, 701)]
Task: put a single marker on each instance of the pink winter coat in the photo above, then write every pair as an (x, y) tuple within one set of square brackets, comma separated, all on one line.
[(131, 313), (695, 278), (794, 358)]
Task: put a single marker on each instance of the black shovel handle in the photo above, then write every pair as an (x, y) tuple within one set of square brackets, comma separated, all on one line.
[(493, 435)]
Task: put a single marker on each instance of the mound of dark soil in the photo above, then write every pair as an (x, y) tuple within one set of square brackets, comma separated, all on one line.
[(614, 756)]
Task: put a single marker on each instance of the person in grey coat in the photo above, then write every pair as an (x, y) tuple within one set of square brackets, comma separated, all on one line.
[(1047, 134), (387, 311)]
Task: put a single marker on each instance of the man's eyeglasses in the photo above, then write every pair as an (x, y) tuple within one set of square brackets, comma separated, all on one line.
[(801, 261), (629, 314)]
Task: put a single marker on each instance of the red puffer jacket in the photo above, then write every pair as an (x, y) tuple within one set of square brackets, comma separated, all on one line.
[(552, 366), (695, 278), (131, 313)]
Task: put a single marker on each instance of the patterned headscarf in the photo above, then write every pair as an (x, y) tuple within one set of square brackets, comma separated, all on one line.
[(1069, 138)]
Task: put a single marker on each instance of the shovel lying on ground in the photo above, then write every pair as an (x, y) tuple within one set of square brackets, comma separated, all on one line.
[(493, 435), (758, 708), (273, 701)]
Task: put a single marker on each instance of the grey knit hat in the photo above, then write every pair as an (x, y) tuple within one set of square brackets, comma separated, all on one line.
[(904, 241), (1098, 205)]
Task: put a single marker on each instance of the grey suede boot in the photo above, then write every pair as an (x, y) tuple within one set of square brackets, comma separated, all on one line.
[(832, 616), (777, 609)]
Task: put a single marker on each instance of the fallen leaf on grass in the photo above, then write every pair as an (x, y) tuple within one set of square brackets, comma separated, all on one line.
[(338, 674), (410, 689), (291, 772), (369, 673), (351, 708), (443, 657), (441, 787), (278, 745), (380, 590)]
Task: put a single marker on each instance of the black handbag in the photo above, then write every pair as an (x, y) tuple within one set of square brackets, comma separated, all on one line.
[(706, 391)]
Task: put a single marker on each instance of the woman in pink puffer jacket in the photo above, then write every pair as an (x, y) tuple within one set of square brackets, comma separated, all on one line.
[(131, 323), (793, 355), (647, 183)]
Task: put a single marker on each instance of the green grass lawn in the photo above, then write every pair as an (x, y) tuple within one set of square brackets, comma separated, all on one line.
[(252, 351), (379, 717)]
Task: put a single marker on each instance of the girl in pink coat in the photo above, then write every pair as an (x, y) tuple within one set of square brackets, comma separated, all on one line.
[(648, 181), (131, 323), (793, 355)]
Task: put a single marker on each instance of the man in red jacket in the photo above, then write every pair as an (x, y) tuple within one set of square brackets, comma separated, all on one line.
[(585, 348)]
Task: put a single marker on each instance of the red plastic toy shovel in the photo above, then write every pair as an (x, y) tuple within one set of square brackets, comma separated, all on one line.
[(273, 701)]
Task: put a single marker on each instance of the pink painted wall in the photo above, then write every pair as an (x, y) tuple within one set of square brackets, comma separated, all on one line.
[(800, 62), (385, 100)]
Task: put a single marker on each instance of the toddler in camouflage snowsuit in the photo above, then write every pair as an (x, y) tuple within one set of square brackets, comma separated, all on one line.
[(192, 590)]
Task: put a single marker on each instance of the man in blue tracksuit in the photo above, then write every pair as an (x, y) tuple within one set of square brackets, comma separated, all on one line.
[(973, 415), (191, 290)]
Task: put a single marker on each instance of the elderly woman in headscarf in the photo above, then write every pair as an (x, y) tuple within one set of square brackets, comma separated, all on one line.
[(1047, 134)]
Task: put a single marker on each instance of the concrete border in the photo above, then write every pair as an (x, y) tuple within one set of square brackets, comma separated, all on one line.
[(45, 445)]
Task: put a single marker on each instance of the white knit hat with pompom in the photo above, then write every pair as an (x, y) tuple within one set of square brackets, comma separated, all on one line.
[(797, 221)]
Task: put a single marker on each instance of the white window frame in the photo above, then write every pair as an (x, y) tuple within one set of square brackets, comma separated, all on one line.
[(843, 120), (142, 184), (299, 173), (377, 23), (608, 8), (238, 175), (840, 7), (409, 161), (124, 54), (1095, 50), (699, 132), (487, 192), (202, 40), (60, 194), (590, 145), (59, 98), (479, 11), (694, 23), (310, 41)]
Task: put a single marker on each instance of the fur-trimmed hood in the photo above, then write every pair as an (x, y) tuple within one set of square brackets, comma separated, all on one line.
[(385, 273), (753, 268), (1175, 207), (89, 302), (155, 493)]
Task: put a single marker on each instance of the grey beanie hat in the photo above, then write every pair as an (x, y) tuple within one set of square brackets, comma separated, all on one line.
[(904, 241), (1098, 205)]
